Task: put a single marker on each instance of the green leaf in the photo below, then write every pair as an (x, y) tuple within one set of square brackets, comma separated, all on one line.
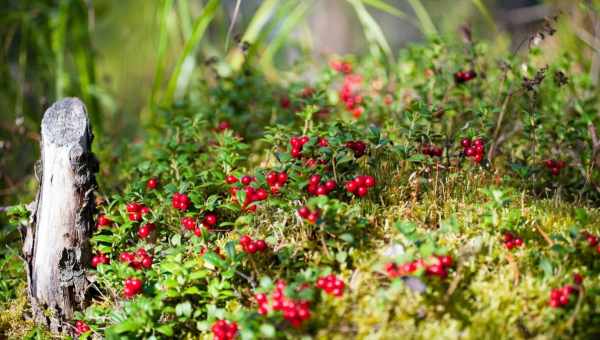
[(184, 309), (267, 330), (546, 266), (215, 260), (166, 330)]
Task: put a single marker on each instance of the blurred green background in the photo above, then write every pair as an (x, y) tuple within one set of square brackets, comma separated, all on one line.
[(129, 59)]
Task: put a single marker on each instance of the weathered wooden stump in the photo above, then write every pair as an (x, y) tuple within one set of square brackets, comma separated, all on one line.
[(56, 247)]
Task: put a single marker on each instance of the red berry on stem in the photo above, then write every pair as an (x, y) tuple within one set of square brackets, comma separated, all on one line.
[(152, 183)]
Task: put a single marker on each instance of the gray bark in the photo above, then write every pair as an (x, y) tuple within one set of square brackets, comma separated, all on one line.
[(56, 243)]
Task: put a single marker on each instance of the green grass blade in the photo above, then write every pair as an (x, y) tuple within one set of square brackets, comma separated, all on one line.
[(291, 20), (486, 14), (183, 11), (58, 37), (162, 48), (258, 21), (373, 32), (200, 25), (426, 25), (385, 7)]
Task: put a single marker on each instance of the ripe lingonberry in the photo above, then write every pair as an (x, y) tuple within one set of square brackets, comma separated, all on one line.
[(358, 147), (133, 286), (360, 185), (432, 150), (461, 77), (251, 246), (473, 149), (100, 259), (152, 183), (210, 220), (222, 330), (231, 179), (331, 285), (560, 297), (511, 240), (180, 201), (188, 223), (145, 230), (103, 221), (81, 327), (554, 166), (307, 214)]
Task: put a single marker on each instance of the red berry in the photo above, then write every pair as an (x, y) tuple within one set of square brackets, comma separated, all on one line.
[(135, 216), (147, 262), (470, 152), (330, 185), (303, 212), (251, 248), (231, 179), (369, 181), (518, 242), (152, 183), (362, 191), (321, 190), (351, 186), (312, 217), (314, 179), (478, 158), (104, 221), (246, 180), (210, 219), (144, 231), (323, 142), (282, 178), (198, 231), (465, 142), (271, 178), (592, 240), (245, 240), (261, 245), (133, 207)]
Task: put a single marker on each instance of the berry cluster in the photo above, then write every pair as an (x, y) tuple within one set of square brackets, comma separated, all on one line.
[(81, 327), (437, 266), (358, 147), (555, 166), (136, 211), (432, 150), (560, 297), (473, 149), (297, 144), (341, 66), (294, 311), (100, 259), (152, 183), (222, 330), (276, 180), (251, 246), (307, 214), (360, 185), (103, 221), (180, 201), (315, 187), (461, 77), (145, 230), (350, 96), (511, 240), (592, 241), (133, 286), (139, 259), (252, 195), (331, 285), (189, 223)]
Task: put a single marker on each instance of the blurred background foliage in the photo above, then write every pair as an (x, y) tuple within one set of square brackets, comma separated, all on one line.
[(129, 60)]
